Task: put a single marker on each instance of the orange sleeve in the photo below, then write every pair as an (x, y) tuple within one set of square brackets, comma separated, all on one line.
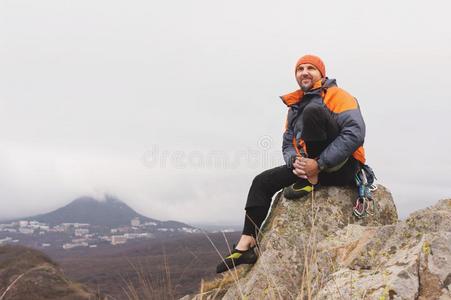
[(338, 100)]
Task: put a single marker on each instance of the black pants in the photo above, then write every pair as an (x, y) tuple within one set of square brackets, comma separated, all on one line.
[(319, 130)]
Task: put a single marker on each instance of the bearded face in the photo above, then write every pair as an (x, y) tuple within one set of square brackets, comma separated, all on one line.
[(307, 75)]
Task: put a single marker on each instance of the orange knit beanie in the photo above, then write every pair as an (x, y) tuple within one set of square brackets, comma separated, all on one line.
[(314, 60)]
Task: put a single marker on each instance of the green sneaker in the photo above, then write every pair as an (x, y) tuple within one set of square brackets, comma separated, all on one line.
[(237, 257), (298, 189)]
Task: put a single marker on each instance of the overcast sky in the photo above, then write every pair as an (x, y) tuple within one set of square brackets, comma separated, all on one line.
[(173, 106)]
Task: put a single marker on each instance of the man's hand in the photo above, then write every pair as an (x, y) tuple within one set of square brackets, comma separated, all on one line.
[(306, 168)]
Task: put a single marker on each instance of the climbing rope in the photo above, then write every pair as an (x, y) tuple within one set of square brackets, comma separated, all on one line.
[(365, 204)]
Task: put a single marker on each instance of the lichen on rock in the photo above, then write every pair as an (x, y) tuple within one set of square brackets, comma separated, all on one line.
[(314, 248)]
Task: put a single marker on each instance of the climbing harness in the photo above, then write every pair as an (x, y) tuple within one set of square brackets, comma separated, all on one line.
[(365, 204)]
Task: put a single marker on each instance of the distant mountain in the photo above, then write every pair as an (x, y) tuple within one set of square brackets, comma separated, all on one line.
[(110, 212)]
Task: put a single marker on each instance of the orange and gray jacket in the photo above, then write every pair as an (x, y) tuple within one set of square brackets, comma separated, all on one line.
[(343, 107)]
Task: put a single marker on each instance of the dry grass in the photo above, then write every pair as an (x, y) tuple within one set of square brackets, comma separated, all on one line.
[(311, 281), (11, 285), (214, 286), (161, 288), (310, 258), (148, 287), (234, 272), (307, 289)]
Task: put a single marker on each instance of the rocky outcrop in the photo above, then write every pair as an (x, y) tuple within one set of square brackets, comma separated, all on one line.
[(313, 248), (28, 274), (409, 260)]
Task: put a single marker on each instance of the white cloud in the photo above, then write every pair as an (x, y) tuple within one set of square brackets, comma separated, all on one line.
[(87, 88)]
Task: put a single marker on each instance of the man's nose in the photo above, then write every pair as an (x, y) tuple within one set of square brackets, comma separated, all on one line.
[(304, 72)]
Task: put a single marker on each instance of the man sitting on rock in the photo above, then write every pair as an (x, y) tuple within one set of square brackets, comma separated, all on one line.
[(322, 144)]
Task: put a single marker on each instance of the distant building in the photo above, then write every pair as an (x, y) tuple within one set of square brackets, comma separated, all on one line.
[(5, 240), (3, 226), (124, 229), (75, 225), (58, 228), (70, 246), (46, 245), (66, 226), (189, 230), (150, 224), (92, 246), (81, 225), (135, 222), (78, 241), (81, 231), (67, 246), (23, 223), (105, 238), (44, 227), (118, 239), (131, 236), (138, 235), (26, 230)]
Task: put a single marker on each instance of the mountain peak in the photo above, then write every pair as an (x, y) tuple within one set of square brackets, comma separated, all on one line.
[(109, 211), (84, 199), (105, 198)]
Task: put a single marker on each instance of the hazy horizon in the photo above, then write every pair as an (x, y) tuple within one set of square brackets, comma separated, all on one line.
[(173, 106), (104, 198)]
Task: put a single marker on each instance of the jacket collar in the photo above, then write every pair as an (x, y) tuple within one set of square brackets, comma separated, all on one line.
[(296, 96)]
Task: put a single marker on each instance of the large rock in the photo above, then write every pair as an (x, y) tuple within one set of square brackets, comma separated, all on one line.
[(409, 260), (28, 274), (290, 259), (315, 248)]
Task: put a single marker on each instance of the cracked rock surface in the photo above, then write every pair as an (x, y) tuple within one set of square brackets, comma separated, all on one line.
[(314, 247)]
